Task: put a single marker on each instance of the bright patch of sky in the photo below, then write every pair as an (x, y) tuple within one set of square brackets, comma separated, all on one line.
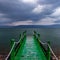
[(56, 12), (38, 9), (30, 1)]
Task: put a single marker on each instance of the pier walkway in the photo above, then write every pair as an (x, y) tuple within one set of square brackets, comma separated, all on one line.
[(29, 48)]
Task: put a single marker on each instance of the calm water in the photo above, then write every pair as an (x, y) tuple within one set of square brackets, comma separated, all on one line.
[(46, 34)]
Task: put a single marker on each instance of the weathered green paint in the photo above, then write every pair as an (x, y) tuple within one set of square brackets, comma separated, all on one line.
[(29, 49), (46, 52)]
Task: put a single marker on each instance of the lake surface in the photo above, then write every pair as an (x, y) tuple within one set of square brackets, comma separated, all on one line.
[(6, 34)]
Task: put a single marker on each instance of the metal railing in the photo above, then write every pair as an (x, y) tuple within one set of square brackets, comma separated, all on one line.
[(10, 51), (15, 43), (51, 50)]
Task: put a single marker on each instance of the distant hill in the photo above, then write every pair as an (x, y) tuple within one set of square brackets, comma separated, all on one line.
[(32, 26), (38, 26)]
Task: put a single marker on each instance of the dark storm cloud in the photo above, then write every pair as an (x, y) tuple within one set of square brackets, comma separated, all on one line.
[(49, 1), (14, 10)]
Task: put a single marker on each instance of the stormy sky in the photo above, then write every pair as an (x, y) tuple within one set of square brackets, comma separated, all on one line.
[(29, 12)]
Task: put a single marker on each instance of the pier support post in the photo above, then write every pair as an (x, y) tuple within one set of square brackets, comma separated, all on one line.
[(24, 34), (20, 37), (13, 51), (48, 51), (39, 36), (34, 32), (34, 35)]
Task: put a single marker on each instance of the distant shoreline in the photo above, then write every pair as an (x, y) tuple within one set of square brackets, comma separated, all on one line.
[(32, 26)]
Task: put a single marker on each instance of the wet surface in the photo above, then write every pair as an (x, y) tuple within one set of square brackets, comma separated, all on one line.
[(30, 50)]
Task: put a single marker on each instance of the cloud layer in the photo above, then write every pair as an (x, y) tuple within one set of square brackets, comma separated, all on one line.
[(29, 12)]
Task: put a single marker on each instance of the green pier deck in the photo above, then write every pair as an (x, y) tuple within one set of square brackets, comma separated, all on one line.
[(28, 48)]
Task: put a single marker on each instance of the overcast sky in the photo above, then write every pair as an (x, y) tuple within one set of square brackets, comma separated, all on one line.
[(29, 12)]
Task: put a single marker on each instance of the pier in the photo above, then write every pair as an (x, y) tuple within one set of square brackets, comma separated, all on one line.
[(30, 48)]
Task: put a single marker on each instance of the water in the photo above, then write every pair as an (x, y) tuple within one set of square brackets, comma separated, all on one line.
[(6, 34)]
